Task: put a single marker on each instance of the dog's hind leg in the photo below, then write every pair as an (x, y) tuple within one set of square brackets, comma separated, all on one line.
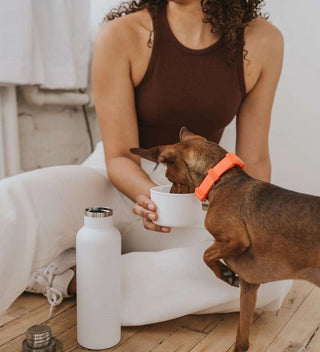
[(248, 298)]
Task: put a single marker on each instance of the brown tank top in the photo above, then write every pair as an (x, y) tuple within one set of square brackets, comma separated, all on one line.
[(186, 87)]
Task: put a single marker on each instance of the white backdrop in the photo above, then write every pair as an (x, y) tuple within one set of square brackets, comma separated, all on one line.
[(295, 126)]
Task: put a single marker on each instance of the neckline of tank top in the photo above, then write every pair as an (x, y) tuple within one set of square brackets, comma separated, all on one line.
[(163, 15)]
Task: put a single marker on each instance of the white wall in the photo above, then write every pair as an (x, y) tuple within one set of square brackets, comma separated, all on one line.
[(53, 135), (99, 8), (295, 126)]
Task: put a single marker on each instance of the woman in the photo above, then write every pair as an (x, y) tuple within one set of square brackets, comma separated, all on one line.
[(121, 69), (169, 64)]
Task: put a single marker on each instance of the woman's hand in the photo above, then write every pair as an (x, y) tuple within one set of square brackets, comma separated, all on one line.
[(146, 208)]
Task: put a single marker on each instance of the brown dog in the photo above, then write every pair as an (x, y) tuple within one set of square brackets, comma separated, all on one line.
[(262, 232)]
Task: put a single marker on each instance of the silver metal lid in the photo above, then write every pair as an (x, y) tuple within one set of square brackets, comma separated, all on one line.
[(98, 212), (38, 336), (55, 346)]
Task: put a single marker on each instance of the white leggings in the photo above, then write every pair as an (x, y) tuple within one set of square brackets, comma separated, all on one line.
[(163, 275)]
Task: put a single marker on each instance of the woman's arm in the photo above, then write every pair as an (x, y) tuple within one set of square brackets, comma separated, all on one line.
[(115, 108), (265, 51)]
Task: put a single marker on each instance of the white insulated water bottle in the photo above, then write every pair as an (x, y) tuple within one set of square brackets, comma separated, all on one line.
[(98, 259)]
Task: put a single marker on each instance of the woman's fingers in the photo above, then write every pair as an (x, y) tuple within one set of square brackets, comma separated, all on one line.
[(148, 224), (146, 208), (146, 202), (145, 213)]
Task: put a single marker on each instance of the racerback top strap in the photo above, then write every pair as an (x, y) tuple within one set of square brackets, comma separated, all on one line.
[(195, 88)]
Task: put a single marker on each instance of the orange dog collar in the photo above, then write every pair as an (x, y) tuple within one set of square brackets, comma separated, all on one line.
[(214, 174)]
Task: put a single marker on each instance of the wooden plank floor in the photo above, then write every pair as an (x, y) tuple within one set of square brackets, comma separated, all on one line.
[(293, 328)]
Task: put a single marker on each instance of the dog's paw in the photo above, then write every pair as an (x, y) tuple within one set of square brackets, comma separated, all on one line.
[(231, 278), (227, 273), (236, 282)]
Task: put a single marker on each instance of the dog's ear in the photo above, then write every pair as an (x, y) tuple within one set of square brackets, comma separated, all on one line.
[(159, 154), (150, 154), (186, 134)]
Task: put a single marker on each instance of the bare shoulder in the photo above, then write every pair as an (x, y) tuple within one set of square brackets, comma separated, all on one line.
[(263, 37), (264, 50), (124, 33)]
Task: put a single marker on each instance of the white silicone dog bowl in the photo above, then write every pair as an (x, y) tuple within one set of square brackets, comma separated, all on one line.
[(175, 210)]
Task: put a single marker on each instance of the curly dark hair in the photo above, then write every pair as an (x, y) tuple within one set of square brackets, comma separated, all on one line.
[(228, 18)]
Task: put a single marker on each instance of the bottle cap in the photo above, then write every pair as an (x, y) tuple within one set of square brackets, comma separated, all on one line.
[(39, 339), (38, 336), (98, 212)]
